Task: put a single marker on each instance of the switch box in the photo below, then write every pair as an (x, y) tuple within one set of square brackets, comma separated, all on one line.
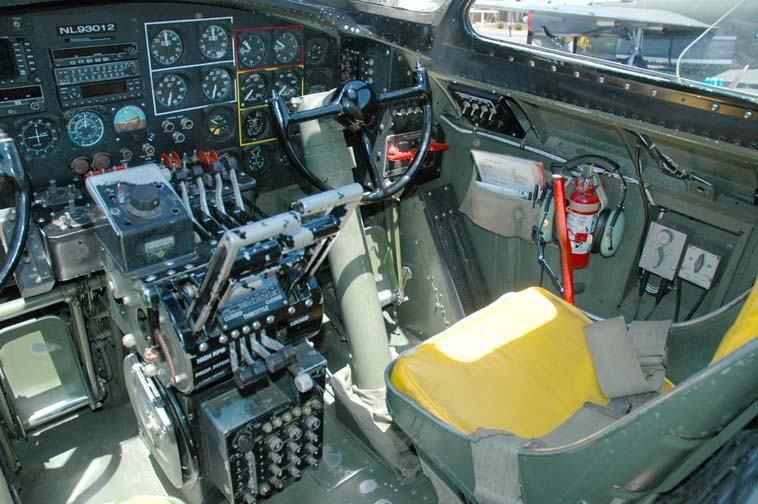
[(699, 267), (663, 250)]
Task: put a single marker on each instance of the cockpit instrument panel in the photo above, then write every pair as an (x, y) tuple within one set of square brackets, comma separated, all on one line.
[(131, 82)]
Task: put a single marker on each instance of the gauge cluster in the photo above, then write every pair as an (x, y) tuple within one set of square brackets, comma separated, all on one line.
[(191, 64), (166, 77)]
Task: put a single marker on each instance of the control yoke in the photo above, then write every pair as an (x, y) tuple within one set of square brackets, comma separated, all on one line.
[(356, 107)]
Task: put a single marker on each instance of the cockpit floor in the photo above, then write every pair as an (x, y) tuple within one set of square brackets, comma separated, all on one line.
[(98, 458)]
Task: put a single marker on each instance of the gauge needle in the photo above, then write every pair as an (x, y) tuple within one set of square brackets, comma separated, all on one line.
[(246, 45), (249, 94), (165, 38), (215, 88), (280, 45), (283, 90), (170, 97)]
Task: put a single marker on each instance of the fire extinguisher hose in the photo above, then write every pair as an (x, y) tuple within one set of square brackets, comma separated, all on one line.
[(559, 188)]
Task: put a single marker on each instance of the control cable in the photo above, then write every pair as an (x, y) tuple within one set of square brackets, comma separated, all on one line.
[(699, 320)]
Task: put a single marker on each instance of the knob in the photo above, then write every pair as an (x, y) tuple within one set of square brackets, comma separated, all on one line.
[(311, 436), (287, 417), (315, 404), (275, 470), (126, 154), (293, 447), (80, 165), (294, 472), (277, 483), (144, 197), (264, 489), (101, 161), (275, 457), (311, 449), (167, 126), (294, 459), (294, 432), (311, 460), (186, 123), (277, 422), (303, 382), (148, 149), (178, 137), (275, 444), (312, 423)]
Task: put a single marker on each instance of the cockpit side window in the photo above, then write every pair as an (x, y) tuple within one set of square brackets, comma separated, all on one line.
[(410, 5), (710, 43)]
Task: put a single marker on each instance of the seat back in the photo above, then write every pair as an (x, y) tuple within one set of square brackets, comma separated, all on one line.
[(744, 329)]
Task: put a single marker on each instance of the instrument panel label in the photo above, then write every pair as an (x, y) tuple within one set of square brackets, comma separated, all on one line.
[(86, 29)]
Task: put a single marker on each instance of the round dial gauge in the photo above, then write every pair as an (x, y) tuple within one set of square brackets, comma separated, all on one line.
[(254, 89), (251, 50), (317, 82), (129, 118), (217, 84), (219, 125), (171, 91), (38, 137), (254, 125), (166, 47), (286, 47), (316, 50), (257, 160), (214, 42), (288, 82), (85, 129)]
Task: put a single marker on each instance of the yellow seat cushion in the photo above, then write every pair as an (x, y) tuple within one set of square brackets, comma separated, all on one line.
[(520, 365), (744, 329)]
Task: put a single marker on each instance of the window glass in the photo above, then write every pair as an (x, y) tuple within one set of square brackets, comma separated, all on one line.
[(411, 5), (713, 42)]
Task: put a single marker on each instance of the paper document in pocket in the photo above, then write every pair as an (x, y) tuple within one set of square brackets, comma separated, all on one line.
[(518, 175)]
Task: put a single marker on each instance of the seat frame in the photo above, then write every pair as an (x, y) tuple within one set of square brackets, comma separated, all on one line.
[(647, 451)]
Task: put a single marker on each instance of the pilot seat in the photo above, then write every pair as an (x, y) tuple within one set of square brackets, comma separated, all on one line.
[(506, 406)]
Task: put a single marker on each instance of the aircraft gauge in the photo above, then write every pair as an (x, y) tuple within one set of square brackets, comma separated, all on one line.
[(257, 160), (251, 50), (166, 47), (37, 137), (288, 82), (219, 125), (85, 128), (171, 90), (214, 42), (254, 124), (286, 47), (217, 84), (253, 89)]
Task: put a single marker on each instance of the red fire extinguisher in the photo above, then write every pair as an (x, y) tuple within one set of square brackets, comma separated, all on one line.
[(581, 217)]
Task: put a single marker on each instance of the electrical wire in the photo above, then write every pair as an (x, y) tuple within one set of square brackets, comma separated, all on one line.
[(696, 305), (678, 301), (693, 322)]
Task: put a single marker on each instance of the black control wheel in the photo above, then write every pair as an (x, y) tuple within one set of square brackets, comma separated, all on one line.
[(12, 171), (356, 107)]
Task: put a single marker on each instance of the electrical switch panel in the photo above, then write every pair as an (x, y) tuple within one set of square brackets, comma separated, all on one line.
[(663, 250), (487, 110), (699, 267)]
